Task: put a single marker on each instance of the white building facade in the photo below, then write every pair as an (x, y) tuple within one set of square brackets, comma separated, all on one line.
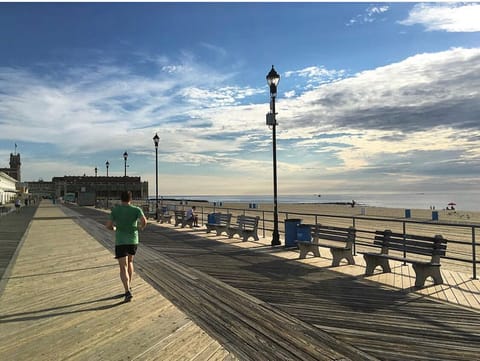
[(8, 191)]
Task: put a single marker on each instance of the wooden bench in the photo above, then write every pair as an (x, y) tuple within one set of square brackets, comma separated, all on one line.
[(165, 217), (339, 240), (187, 222), (246, 227), (180, 219), (220, 224), (179, 216), (421, 251)]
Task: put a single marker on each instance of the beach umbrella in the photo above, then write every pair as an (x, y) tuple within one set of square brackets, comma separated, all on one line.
[(452, 204)]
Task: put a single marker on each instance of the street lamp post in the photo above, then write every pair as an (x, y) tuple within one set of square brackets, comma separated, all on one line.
[(155, 141), (107, 164), (95, 186), (272, 80), (125, 156)]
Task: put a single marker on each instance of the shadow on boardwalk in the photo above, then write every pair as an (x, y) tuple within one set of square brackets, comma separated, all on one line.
[(255, 303), (12, 229)]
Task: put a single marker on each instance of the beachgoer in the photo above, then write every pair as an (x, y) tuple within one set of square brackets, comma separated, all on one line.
[(126, 219), (17, 204), (353, 203), (192, 215)]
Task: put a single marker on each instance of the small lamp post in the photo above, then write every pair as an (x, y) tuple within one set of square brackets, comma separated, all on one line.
[(272, 80), (95, 186), (155, 141), (125, 156), (107, 164)]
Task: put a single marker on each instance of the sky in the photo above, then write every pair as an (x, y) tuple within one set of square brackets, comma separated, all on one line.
[(373, 97)]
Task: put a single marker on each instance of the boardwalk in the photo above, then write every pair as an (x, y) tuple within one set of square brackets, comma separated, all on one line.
[(338, 308), (62, 301), (246, 301)]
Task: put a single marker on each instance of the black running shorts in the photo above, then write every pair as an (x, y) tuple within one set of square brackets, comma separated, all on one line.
[(124, 250)]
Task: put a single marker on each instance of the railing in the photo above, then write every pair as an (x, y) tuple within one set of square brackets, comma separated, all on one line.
[(462, 246)]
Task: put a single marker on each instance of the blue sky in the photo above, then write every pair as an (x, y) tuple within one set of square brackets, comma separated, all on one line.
[(373, 97)]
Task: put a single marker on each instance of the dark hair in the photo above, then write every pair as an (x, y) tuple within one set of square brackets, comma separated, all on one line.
[(126, 196)]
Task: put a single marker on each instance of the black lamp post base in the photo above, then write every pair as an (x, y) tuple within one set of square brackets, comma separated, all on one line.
[(276, 240)]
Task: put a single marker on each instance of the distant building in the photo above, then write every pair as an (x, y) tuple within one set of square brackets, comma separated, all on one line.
[(14, 170), (85, 190), (88, 190)]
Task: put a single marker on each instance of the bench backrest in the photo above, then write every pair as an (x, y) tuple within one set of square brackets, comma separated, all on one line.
[(248, 222), (435, 247), (335, 234), (222, 219), (179, 214)]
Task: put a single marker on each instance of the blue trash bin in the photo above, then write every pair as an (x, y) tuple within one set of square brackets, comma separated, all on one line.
[(304, 233), (291, 231), (434, 215), (211, 218), (408, 213)]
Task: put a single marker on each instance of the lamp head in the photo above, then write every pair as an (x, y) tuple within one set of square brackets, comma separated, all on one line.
[(272, 80), (125, 155), (156, 138)]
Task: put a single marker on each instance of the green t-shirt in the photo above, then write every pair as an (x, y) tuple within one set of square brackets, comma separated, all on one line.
[(125, 218)]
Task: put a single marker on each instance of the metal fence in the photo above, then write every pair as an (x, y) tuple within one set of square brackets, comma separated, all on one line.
[(461, 250)]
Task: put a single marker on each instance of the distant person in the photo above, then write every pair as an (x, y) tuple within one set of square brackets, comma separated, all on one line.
[(353, 203), (126, 220), (17, 205), (192, 215)]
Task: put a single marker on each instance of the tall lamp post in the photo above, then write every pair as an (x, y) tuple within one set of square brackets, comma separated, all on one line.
[(107, 164), (272, 80), (155, 141)]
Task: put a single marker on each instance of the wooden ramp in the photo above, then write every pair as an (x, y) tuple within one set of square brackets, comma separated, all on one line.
[(263, 303)]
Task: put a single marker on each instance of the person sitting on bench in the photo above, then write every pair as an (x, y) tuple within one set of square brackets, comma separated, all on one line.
[(191, 215)]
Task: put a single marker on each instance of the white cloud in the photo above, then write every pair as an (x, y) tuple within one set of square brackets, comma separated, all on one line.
[(445, 17), (369, 16), (415, 119)]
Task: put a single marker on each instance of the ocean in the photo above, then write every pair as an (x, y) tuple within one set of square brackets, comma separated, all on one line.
[(466, 201)]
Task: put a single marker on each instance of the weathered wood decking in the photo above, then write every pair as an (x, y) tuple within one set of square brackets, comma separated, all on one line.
[(252, 302), (63, 301), (264, 304)]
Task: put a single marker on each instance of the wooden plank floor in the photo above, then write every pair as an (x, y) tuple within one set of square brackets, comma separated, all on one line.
[(12, 228), (378, 317), (63, 300)]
